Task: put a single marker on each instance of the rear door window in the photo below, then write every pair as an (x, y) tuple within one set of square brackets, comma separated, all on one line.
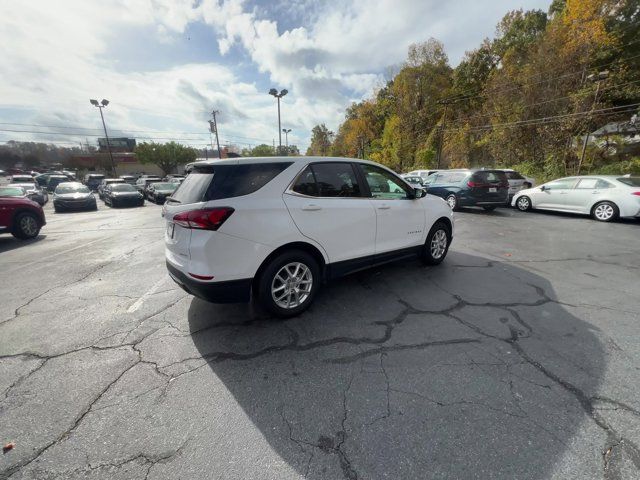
[(587, 183), (335, 180), (514, 176)]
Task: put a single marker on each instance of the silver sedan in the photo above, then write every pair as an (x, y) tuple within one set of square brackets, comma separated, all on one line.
[(604, 197)]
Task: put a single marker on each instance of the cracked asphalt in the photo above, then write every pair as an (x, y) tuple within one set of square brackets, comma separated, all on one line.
[(518, 357)]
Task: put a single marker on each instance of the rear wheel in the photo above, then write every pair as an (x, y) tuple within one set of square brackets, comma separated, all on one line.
[(452, 200), (26, 226), (437, 244), (605, 212), (289, 283), (523, 203)]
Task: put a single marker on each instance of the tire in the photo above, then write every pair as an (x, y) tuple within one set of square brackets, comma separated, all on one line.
[(272, 276), (523, 203), (26, 225), (56, 209), (452, 200), (489, 208), (435, 250), (605, 212)]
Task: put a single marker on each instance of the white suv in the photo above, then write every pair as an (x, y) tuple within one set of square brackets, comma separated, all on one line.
[(279, 227)]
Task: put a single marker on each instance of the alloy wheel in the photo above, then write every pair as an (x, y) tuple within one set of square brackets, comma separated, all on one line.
[(523, 203), (438, 244), (29, 225), (452, 201), (292, 285), (604, 212)]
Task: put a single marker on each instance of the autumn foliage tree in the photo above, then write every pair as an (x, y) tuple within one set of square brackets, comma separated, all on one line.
[(525, 98)]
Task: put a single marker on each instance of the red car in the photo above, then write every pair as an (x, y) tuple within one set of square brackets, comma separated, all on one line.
[(20, 216)]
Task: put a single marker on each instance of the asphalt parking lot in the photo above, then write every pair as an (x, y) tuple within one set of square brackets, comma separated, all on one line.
[(518, 357)]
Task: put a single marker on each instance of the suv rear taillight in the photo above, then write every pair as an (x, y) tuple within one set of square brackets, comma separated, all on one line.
[(471, 184), (637, 194), (205, 219)]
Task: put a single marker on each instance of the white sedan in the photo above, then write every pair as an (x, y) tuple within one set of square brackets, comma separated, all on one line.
[(604, 197)]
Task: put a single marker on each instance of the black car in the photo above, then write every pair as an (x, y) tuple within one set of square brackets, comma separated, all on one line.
[(73, 196), (470, 188), (122, 195), (93, 180), (54, 180), (159, 191)]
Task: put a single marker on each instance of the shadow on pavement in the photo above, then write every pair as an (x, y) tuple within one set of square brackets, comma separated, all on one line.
[(469, 369), (8, 242)]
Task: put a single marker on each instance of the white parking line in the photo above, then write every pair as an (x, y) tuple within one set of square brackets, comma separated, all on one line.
[(138, 303)]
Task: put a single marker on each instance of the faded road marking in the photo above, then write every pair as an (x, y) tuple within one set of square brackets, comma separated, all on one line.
[(138, 303)]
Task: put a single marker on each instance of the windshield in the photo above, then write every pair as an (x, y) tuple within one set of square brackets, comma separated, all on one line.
[(12, 192), (62, 189), (165, 186), (123, 187), (631, 181)]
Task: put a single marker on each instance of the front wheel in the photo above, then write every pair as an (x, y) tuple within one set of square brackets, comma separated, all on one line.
[(437, 244), (523, 203), (452, 200), (289, 283), (605, 211), (26, 226)]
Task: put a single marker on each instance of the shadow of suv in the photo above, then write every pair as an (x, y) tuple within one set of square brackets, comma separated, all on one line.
[(470, 188)]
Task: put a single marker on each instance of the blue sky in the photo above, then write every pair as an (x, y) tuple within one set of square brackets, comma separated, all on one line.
[(164, 64)]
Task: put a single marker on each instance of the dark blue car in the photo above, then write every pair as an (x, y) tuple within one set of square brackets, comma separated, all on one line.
[(470, 188)]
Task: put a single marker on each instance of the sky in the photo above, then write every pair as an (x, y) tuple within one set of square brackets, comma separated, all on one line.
[(164, 65)]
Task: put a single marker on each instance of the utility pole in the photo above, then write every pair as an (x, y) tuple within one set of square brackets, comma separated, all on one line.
[(441, 136), (213, 127), (286, 138), (361, 146), (598, 79)]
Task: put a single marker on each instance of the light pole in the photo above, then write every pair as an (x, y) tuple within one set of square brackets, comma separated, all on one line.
[(282, 93), (286, 138), (593, 78), (100, 106)]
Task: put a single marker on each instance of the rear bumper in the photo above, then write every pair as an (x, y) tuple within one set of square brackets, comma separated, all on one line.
[(233, 291)]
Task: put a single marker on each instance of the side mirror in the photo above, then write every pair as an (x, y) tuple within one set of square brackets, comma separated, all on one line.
[(419, 192), (543, 188)]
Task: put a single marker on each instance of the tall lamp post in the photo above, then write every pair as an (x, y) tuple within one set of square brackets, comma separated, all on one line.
[(282, 93), (593, 78), (100, 106), (286, 138)]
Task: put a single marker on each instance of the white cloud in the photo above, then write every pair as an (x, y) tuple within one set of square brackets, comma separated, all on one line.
[(54, 58)]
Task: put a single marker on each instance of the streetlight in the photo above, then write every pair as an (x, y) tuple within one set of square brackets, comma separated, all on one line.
[(100, 106), (286, 138), (597, 78), (282, 93)]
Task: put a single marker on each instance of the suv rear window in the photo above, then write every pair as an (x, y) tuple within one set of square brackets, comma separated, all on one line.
[(489, 177), (215, 182)]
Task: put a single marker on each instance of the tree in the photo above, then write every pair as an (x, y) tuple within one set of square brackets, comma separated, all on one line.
[(262, 150), (167, 156), (321, 140)]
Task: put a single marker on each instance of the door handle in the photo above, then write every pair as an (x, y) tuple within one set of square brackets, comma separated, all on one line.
[(384, 206), (311, 207)]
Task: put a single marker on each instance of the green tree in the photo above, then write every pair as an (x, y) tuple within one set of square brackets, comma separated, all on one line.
[(167, 156), (321, 141)]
